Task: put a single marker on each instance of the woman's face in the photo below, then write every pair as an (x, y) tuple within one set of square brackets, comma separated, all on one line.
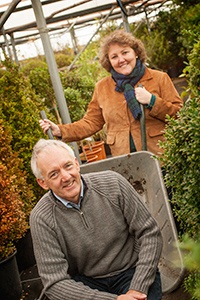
[(122, 58)]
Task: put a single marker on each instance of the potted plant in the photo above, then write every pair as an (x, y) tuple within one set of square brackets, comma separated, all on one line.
[(13, 219), (92, 150)]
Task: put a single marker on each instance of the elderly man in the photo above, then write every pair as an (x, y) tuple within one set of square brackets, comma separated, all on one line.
[(92, 236)]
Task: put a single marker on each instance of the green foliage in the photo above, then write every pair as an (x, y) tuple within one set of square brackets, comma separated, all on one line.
[(75, 104), (190, 26), (20, 109), (163, 44), (88, 64), (171, 37), (186, 3), (2, 72), (192, 71), (78, 90), (31, 64), (191, 259), (182, 160), (63, 60), (41, 83)]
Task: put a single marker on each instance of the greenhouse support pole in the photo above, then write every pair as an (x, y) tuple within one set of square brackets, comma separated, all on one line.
[(14, 48), (7, 43), (53, 70), (124, 16)]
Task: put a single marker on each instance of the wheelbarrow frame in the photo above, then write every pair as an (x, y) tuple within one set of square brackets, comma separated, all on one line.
[(143, 171)]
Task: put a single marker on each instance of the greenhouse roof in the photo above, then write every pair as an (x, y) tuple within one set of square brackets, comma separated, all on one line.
[(17, 17)]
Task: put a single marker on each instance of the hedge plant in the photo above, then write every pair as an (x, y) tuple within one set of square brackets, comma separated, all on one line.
[(182, 160), (20, 110)]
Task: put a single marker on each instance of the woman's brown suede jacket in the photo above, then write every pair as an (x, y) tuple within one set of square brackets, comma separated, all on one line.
[(109, 107)]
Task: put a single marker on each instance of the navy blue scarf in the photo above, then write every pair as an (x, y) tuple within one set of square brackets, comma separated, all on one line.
[(126, 83)]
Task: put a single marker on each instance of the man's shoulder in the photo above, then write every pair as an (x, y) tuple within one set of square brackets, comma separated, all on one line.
[(102, 179), (43, 204), (101, 175)]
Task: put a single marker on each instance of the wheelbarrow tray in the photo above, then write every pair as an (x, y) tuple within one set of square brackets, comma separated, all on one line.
[(143, 171)]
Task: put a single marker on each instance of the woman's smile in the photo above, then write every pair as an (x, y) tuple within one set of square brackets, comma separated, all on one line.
[(122, 58)]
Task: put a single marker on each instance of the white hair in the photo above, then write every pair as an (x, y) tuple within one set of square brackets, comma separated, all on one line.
[(41, 146)]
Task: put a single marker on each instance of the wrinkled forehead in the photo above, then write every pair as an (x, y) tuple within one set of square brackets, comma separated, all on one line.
[(54, 152)]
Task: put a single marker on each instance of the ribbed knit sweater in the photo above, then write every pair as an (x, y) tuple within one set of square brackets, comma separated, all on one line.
[(99, 240)]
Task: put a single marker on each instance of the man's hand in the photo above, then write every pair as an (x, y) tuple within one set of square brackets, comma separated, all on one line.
[(46, 124), (137, 295), (132, 295), (125, 297)]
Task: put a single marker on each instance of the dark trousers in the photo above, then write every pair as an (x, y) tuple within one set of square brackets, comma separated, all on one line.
[(119, 284)]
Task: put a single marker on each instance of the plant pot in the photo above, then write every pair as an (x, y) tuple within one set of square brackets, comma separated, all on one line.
[(25, 255), (96, 146), (92, 158), (10, 284), (97, 152)]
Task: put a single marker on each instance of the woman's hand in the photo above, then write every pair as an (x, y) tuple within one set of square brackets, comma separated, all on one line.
[(47, 124), (142, 95)]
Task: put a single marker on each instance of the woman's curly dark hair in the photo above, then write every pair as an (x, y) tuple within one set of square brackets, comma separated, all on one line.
[(124, 38)]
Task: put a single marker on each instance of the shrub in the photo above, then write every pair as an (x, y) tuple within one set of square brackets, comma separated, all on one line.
[(31, 64), (78, 90), (182, 160), (20, 109), (14, 190), (62, 60), (191, 259)]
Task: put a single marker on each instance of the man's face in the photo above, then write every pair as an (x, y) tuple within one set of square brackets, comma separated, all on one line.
[(60, 173)]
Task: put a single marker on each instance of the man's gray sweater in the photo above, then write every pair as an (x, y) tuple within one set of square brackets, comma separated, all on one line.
[(99, 240)]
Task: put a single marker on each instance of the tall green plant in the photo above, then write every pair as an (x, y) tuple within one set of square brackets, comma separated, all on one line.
[(20, 109), (182, 160)]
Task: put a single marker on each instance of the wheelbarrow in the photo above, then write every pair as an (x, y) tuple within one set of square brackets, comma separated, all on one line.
[(143, 171)]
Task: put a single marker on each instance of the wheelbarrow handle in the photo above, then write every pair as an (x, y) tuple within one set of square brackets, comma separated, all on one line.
[(143, 126), (49, 132)]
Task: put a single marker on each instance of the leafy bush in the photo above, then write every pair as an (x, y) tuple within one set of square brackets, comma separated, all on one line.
[(182, 160), (20, 109), (31, 64), (163, 44), (192, 70), (75, 104), (78, 90), (191, 259), (63, 60), (15, 194)]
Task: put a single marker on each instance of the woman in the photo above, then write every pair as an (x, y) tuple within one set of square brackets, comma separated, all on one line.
[(116, 99)]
